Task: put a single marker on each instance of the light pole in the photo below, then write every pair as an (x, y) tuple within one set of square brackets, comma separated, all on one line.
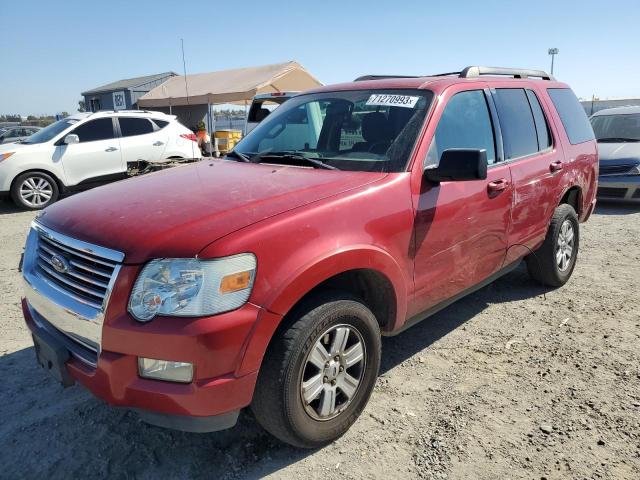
[(553, 52)]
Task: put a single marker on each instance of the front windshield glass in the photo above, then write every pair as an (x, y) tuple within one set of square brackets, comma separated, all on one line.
[(617, 128), (50, 131), (361, 130)]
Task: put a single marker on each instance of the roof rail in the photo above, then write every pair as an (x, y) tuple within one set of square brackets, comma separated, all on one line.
[(476, 71), (381, 77)]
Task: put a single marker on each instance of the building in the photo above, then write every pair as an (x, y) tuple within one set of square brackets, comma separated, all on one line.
[(593, 106), (123, 94)]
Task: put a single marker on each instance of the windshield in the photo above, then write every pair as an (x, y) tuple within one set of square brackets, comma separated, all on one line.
[(361, 130), (50, 131), (617, 128)]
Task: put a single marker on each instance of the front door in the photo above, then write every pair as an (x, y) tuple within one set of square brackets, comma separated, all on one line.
[(96, 158), (461, 227)]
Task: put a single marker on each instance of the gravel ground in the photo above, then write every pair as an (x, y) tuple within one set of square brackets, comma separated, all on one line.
[(512, 381)]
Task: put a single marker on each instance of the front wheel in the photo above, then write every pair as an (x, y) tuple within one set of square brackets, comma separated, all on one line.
[(34, 190), (319, 373), (553, 263)]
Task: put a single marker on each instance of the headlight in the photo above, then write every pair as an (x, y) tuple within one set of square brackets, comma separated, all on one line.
[(635, 170), (192, 288)]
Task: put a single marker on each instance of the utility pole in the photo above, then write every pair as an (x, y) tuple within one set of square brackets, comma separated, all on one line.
[(553, 52)]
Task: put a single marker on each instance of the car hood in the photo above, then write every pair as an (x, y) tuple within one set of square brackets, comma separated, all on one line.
[(12, 147), (179, 211), (619, 153)]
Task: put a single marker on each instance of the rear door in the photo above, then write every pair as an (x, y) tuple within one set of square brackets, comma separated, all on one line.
[(535, 159), (96, 158), (461, 227), (141, 139)]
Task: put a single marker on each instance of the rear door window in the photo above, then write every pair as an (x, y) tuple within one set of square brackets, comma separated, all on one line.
[(542, 127), (100, 129), (516, 122), (465, 123), (573, 117), (130, 127)]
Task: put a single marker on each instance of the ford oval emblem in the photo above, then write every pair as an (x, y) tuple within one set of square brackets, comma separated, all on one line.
[(59, 263)]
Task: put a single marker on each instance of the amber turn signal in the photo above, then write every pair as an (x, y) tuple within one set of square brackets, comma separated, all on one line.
[(235, 281)]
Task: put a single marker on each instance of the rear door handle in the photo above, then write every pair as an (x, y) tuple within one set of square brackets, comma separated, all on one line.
[(111, 149), (555, 166), (497, 186), (158, 143)]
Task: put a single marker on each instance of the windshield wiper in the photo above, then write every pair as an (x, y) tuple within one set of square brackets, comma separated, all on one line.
[(292, 156), (239, 155), (618, 139)]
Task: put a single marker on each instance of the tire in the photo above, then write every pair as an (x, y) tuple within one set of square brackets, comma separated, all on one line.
[(34, 190), (545, 264), (291, 358)]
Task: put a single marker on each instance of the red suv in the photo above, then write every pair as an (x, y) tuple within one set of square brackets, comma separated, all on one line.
[(267, 278)]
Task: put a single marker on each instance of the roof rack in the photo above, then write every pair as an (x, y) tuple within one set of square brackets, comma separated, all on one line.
[(476, 71), (471, 72), (382, 77)]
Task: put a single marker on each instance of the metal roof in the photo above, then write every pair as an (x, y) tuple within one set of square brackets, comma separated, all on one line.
[(128, 83)]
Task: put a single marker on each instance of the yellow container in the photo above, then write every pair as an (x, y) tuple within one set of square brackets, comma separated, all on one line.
[(228, 134)]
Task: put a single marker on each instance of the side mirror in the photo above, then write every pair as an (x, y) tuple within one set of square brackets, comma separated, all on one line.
[(71, 139), (459, 164)]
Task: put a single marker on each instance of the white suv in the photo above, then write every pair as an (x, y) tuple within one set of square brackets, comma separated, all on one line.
[(87, 150)]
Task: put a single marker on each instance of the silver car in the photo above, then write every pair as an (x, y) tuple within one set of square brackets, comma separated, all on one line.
[(14, 134), (618, 133)]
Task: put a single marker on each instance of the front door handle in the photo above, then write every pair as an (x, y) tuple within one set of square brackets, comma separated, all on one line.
[(111, 149), (158, 143), (555, 166), (497, 186)]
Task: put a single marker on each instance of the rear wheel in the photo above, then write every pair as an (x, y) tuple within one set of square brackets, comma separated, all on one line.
[(318, 374), (553, 263), (34, 190)]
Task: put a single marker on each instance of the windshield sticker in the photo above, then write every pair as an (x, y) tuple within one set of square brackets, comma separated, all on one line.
[(406, 101)]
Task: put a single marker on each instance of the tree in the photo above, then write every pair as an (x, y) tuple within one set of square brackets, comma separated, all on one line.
[(32, 117), (81, 106), (64, 114)]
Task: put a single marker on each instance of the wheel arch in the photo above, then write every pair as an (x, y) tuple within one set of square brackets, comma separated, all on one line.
[(573, 196), (367, 273), (59, 183)]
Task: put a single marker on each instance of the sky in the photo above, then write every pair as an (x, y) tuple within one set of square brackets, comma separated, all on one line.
[(53, 49)]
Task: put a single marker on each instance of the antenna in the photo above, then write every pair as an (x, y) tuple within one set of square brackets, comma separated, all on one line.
[(186, 87), (184, 68)]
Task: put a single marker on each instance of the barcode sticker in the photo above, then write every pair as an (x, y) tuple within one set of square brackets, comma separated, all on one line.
[(406, 101)]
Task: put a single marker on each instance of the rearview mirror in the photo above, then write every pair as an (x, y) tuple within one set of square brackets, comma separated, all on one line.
[(459, 164), (71, 139)]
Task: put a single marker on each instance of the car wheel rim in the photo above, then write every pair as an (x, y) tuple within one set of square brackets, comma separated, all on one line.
[(332, 372), (565, 245), (36, 191)]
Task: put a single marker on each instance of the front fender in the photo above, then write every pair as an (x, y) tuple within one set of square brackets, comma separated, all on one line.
[(291, 289)]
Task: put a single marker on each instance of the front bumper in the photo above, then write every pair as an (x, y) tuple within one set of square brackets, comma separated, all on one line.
[(215, 345), (619, 187)]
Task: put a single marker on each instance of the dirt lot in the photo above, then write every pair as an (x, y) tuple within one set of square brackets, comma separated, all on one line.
[(505, 383)]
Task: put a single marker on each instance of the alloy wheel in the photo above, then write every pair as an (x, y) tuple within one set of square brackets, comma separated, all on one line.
[(565, 245), (332, 372), (36, 191)]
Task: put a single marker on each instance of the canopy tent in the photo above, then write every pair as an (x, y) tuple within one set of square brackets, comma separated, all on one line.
[(236, 86)]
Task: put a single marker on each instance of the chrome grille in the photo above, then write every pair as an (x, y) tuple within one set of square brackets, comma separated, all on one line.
[(86, 276), (67, 285)]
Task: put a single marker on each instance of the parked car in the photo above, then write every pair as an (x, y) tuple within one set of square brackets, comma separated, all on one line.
[(15, 134), (618, 133), (267, 278), (262, 105), (86, 150)]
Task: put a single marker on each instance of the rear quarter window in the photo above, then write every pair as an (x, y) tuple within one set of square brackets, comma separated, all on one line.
[(573, 117)]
